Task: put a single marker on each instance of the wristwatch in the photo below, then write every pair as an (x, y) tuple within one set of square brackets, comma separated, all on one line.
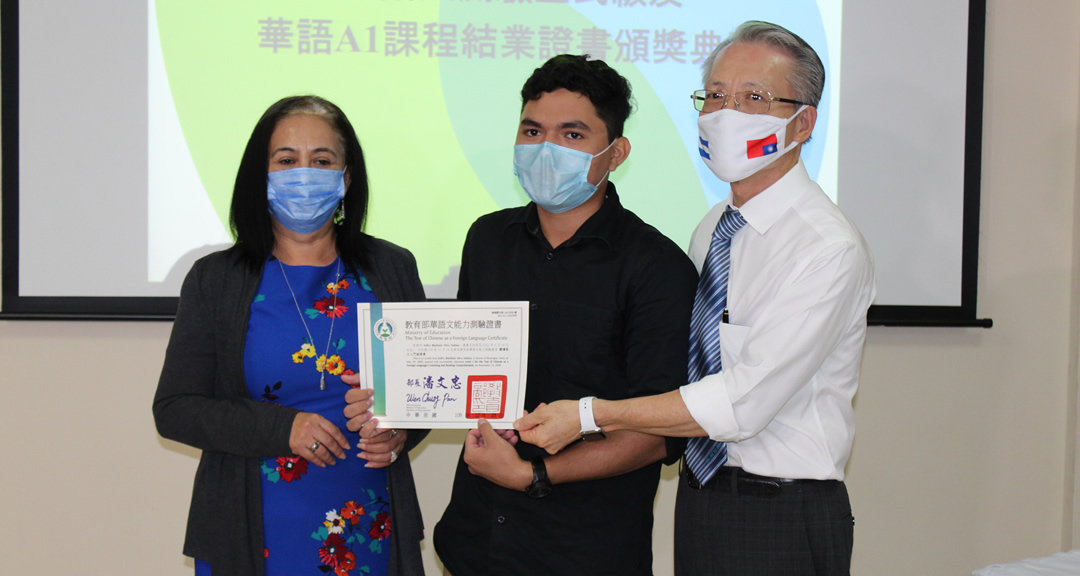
[(541, 485), (589, 430)]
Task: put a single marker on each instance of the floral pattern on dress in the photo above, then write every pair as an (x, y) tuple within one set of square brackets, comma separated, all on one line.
[(334, 364), (345, 528), (334, 308), (268, 393), (287, 468), (380, 527), (334, 288), (306, 351), (331, 307), (352, 539)]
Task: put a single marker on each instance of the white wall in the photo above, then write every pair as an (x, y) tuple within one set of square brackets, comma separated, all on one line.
[(964, 452)]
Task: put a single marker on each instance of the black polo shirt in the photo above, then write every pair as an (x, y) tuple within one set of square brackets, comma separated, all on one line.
[(610, 317)]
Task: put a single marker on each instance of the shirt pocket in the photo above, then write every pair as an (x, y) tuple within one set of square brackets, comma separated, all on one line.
[(732, 338)]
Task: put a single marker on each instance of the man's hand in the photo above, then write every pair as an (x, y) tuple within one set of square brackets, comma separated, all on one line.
[(551, 426), (489, 455)]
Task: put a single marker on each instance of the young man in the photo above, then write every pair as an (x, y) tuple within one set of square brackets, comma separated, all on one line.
[(610, 301), (776, 337)]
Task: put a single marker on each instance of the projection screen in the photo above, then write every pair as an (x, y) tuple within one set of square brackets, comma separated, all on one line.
[(123, 125)]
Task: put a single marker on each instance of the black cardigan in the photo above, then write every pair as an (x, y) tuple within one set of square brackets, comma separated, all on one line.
[(202, 400)]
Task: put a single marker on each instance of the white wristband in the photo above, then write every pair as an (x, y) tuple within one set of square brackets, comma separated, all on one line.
[(585, 413)]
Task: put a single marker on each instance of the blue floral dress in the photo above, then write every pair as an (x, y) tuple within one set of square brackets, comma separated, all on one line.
[(333, 520)]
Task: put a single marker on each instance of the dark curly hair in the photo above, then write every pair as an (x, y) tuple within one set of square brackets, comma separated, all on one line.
[(608, 91)]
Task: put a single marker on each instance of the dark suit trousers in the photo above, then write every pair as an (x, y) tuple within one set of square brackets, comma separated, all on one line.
[(806, 530)]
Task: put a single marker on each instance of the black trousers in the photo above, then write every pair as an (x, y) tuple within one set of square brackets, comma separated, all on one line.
[(805, 530)]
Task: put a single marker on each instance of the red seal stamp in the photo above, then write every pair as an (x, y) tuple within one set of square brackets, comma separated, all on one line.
[(487, 397)]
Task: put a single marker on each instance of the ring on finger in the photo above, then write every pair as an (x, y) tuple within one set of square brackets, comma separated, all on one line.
[(315, 447), (393, 433)]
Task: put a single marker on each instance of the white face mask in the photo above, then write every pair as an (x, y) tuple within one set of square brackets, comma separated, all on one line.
[(736, 145)]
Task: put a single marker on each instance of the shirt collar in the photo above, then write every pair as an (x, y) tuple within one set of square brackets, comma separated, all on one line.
[(603, 225), (763, 210)]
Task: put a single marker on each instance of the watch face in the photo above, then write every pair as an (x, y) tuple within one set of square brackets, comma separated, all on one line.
[(592, 435), (539, 490)]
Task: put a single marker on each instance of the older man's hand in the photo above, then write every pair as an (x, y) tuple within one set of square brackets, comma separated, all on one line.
[(551, 426)]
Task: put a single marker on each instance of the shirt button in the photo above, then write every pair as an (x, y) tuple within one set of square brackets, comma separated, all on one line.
[(501, 519), (550, 255), (533, 306)]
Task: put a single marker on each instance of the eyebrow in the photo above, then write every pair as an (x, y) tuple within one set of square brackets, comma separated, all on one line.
[(578, 124), (315, 151), (573, 124), (746, 86)]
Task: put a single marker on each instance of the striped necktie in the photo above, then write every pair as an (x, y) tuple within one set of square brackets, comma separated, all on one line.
[(703, 456)]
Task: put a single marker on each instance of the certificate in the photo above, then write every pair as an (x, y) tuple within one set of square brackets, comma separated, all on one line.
[(444, 364)]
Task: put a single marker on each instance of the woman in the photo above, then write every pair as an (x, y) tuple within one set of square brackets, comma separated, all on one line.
[(253, 376)]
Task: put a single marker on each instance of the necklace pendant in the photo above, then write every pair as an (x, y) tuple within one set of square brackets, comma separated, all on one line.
[(337, 278)]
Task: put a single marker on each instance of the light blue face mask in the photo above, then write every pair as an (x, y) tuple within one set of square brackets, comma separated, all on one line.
[(553, 176), (303, 199)]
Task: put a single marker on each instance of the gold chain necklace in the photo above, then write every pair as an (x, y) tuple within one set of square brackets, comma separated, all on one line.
[(326, 354)]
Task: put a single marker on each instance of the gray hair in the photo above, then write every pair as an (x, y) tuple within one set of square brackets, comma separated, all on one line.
[(311, 105), (807, 77), (315, 106)]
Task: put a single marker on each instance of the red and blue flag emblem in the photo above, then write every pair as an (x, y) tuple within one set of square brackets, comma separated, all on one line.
[(759, 148)]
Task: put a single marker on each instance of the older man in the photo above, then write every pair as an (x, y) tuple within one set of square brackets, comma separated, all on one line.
[(776, 336)]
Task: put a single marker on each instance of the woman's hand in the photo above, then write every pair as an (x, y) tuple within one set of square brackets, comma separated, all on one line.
[(357, 403), (316, 439), (380, 448)]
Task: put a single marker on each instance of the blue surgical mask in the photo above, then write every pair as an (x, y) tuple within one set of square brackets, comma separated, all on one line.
[(553, 176), (303, 199)]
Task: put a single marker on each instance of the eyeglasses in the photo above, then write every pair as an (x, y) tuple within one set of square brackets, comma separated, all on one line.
[(750, 101)]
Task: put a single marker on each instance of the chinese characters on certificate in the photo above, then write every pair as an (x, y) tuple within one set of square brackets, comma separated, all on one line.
[(445, 364)]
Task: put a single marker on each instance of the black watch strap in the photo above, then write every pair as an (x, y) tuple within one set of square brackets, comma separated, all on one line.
[(541, 485)]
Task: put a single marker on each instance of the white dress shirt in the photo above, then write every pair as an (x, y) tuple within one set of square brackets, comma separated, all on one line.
[(801, 281)]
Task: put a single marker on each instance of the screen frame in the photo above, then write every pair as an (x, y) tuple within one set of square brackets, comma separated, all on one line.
[(964, 315)]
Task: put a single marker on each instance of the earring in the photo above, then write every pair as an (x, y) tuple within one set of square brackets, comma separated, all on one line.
[(339, 214)]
